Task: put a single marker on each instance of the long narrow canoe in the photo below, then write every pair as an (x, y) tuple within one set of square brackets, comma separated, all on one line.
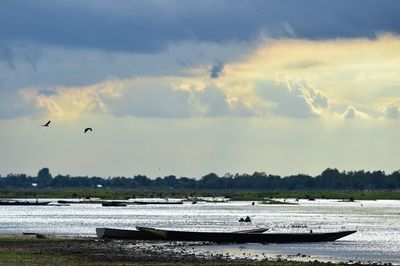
[(24, 203), (252, 231), (140, 235), (222, 237), (113, 204), (125, 234), (158, 202)]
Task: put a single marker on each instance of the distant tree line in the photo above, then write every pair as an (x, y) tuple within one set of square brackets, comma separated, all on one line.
[(330, 179)]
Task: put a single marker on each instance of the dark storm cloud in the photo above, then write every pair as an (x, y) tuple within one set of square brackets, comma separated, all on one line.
[(216, 70), (148, 26)]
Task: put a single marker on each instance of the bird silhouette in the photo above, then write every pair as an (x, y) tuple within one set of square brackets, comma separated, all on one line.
[(88, 129), (47, 124)]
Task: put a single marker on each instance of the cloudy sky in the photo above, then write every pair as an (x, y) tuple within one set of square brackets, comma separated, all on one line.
[(193, 87)]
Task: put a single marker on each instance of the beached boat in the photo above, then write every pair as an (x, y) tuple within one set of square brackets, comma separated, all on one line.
[(113, 204), (125, 234), (23, 203), (69, 201), (141, 235), (252, 231), (223, 237), (157, 202)]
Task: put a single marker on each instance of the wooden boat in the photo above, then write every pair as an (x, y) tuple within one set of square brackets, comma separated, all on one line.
[(69, 201), (222, 237), (158, 202), (125, 234), (56, 204), (113, 204), (23, 203), (252, 231), (141, 235)]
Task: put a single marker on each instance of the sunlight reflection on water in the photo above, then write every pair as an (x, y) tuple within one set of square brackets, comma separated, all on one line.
[(377, 222)]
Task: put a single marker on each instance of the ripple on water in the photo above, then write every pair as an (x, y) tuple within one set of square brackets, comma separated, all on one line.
[(377, 222)]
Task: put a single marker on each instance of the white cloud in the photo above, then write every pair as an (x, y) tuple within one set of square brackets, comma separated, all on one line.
[(182, 97), (352, 113), (72, 102), (167, 97), (247, 87), (293, 98), (175, 97)]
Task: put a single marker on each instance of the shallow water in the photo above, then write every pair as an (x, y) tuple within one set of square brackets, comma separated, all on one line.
[(377, 222)]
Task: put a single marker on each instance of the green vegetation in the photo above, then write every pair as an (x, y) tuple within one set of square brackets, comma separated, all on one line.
[(329, 184), (123, 194), (345, 195)]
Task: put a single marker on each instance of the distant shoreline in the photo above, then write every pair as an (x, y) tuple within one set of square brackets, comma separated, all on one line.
[(240, 195)]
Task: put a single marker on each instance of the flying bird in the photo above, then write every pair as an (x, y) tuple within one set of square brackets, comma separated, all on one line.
[(88, 129), (47, 124)]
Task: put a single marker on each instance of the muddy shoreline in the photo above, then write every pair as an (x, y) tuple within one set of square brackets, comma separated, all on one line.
[(28, 250)]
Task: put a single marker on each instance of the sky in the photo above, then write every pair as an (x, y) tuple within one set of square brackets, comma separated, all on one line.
[(193, 87)]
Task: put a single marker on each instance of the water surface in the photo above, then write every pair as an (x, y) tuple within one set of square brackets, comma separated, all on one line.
[(377, 222)]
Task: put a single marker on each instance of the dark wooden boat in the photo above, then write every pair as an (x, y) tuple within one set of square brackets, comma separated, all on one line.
[(158, 202), (68, 201), (252, 231), (141, 235), (221, 237), (23, 203), (113, 204), (125, 234)]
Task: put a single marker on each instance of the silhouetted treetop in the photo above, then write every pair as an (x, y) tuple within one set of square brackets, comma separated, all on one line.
[(329, 179)]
